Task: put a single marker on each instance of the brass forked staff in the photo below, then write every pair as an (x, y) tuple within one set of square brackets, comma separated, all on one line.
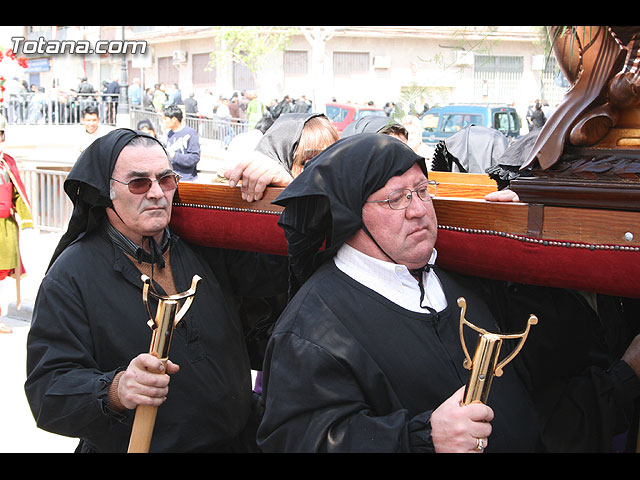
[(484, 365), (166, 319)]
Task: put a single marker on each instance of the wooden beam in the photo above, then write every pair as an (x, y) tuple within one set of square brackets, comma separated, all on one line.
[(580, 225), (571, 224)]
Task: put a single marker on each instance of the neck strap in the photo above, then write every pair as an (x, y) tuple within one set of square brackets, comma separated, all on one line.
[(416, 272)]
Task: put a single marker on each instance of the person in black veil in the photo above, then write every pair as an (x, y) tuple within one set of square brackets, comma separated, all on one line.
[(366, 356), (87, 366), (280, 155), (376, 124), (474, 149)]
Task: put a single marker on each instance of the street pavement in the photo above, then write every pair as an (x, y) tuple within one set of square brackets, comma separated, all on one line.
[(18, 430)]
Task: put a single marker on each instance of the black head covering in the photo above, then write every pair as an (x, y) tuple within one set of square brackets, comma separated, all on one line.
[(324, 203), (368, 124), (281, 140), (88, 182)]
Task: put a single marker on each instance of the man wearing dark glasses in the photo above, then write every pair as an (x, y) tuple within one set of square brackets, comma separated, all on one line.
[(88, 369)]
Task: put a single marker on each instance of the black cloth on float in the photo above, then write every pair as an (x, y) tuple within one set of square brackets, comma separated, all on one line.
[(473, 149), (321, 208), (508, 165), (368, 124), (281, 140), (88, 184)]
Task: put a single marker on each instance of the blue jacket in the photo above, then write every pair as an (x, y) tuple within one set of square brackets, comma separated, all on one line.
[(185, 147)]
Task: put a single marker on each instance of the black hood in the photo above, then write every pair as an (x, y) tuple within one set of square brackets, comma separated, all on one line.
[(368, 124), (88, 184), (323, 205)]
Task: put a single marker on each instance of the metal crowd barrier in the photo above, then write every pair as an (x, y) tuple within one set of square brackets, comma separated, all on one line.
[(57, 108), (50, 207), (215, 129)]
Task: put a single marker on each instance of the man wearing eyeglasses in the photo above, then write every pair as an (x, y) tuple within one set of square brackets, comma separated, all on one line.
[(367, 355), (87, 365)]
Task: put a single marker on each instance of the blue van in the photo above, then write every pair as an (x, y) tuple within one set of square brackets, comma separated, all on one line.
[(442, 122)]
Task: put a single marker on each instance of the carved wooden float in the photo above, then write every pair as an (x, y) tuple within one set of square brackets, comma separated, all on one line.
[(561, 246)]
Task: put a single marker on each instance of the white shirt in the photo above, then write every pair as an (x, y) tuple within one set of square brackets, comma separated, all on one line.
[(391, 280), (87, 138)]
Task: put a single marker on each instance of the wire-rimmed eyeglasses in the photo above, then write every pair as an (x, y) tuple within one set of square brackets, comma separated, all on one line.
[(137, 186), (401, 199)]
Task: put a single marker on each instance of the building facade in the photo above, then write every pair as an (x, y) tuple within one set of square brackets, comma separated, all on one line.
[(352, 64)]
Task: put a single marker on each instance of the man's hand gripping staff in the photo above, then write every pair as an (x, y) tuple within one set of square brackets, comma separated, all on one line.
[(166, 318), (463, 422)]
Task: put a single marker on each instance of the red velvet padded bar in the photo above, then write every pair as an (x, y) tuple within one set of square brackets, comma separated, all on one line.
[(211, 227), (612, 272)]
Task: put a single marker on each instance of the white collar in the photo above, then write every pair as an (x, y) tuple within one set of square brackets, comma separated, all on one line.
[(391, 280)]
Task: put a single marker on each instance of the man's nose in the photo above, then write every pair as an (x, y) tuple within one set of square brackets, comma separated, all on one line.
[(155, 191), (417, 208)]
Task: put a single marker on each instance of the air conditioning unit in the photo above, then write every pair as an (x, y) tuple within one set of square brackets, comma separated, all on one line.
[(179, 57), (464, 58), (538, 63), (381, 62)]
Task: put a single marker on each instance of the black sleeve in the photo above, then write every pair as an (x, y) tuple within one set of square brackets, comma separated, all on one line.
[(584, 394), (66, 389)]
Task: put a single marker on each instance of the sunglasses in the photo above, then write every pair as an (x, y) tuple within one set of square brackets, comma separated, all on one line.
[(138, 186)]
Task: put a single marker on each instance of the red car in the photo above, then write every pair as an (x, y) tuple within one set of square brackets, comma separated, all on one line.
[(342, 114)]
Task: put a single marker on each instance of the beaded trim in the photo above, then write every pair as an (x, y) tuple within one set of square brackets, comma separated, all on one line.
[(522, 238), (540, 241), (229, 209)]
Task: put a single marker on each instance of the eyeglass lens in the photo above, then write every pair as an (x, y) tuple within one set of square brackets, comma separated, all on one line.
[(142, 185), (402, 198)]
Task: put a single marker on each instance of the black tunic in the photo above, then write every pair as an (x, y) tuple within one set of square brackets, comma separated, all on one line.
[(89, 322), (346, 370)]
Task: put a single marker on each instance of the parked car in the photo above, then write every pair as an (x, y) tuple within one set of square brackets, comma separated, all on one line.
[(342, 114), (442, 122)]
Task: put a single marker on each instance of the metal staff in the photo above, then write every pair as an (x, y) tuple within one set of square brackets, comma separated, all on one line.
[(484, 365), (166, 319)]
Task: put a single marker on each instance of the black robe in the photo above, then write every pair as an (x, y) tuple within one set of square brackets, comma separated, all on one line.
[(346, 370), (89, 322), (366, 374)]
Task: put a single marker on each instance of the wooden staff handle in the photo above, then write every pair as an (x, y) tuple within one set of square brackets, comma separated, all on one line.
[(167, 317), (143, 425), (142, 430)]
